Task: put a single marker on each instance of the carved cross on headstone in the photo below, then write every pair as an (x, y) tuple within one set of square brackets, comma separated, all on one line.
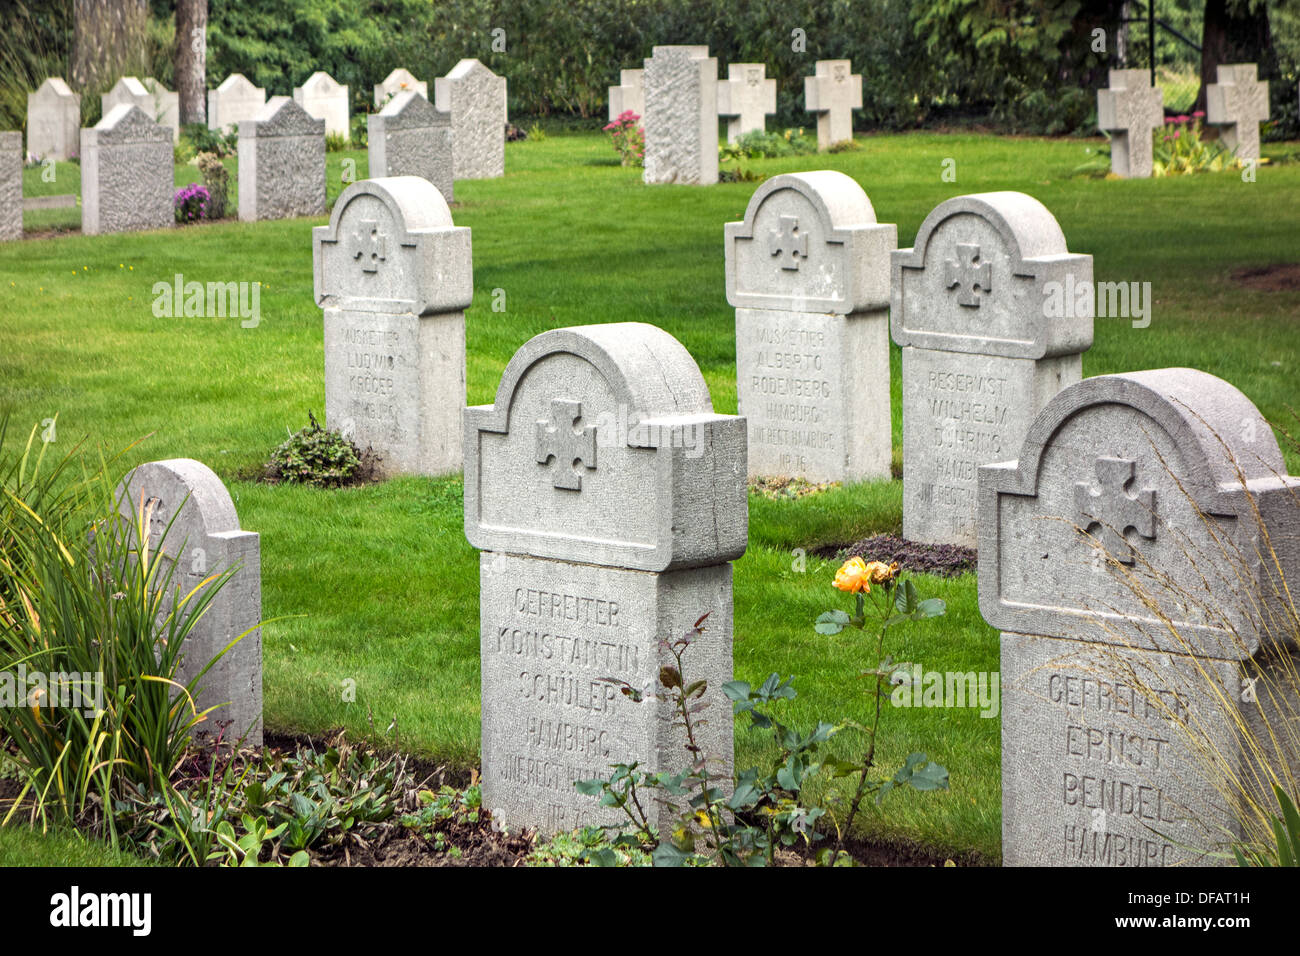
[(1111, 506), (964, 273), (559, 439), (370, 246), (789, 243)]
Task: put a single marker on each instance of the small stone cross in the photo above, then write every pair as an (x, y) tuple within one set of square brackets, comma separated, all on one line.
[(789, 243), (559, 439), (963, 272), (370, 246), (1110, 505)]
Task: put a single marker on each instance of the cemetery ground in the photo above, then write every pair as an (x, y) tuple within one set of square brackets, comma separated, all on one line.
[(377, 584)]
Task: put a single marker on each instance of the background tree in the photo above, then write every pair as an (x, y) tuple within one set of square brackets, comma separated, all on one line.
[(108, 41), (191, 59)]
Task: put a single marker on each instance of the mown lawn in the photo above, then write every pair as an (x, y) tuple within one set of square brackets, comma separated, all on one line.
[(378, 584)]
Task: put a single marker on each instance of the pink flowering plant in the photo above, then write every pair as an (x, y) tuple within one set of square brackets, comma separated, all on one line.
[(191, 203), (629, 138), (1180, 150)]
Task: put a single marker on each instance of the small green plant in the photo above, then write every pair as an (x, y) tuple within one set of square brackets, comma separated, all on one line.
[(628, 137), (336, 142), (536, 134), (762, 144), (320, 457), (1180, 150), (360, 131), (844, 146), (217, 180), (1285, 850)]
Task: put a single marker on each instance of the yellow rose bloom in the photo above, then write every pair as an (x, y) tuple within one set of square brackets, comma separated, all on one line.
[(853, 576)]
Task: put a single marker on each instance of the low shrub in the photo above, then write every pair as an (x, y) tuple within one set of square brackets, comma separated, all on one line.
[(217, 180), (628, 137), (320, 457), (192, 203)]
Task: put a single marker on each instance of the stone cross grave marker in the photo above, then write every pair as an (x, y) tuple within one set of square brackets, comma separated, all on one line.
[(281, 163), (628, 95), (476, 99), (192, 519), (399, 81), (981, 356), (681, 116), (53, 121), (1129, 110), (11, 185), (833, 93), (1120, 557), (808, 273), (608, 500), (234, 101), (745, 98), (127, 175), (393, 275), (1238, 103), (408, 137), (325, 98)]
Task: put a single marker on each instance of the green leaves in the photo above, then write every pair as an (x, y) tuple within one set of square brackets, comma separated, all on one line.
[(919, 773), (910, 607), (831, 622)]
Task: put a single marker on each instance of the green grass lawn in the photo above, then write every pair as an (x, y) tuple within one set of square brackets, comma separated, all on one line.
[(379, 585)]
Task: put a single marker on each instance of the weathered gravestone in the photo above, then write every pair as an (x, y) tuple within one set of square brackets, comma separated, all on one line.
[(1120, 558), (476, 99), (808, 273), (127, 176), (399, 81), (324, 98), (628, 95), (234, 101), (192, 519), (158, 103), (1238, 103), (983, 351), (281, 163), (1129, 110), (608, 500), (833, 93), (11, 185), (394, 276), (681, 116), (408, 137), (53, 121), (745, 98)]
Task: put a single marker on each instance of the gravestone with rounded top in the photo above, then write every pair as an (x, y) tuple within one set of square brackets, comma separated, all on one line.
[(608, 500), (393, 274), (745, 98), (325, 98), (629, 95), (408, 137), (127, 176), (53, 121), (1132, 556), (194, 529), (833, 93), (476, 99), (681, 116), (11, 185), (281, 163), (808, 273), (234, 101), (1129, 110), (1238, 103), (399, 81), (983, 348)]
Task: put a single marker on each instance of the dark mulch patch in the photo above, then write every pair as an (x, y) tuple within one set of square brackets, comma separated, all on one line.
[(948, 560), (1279, 277)]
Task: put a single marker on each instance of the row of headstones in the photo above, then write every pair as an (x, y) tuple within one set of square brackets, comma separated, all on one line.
[(1130, 108), (679, 97), (1110, 676)]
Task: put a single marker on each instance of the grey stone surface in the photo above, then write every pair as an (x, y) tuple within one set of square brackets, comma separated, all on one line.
[(158, 103), (628, 95), (1238, 103), (981, 356), (194, 529), (11, 185), (53, 121), (608, 499), (399, 81), (281, 163), (745, 98), (681, 118), (394, 275), (833, 93), (808, 272), (324, 98), (1129, 110), (408, 137), (234, 101), (1123, 556), (127, 175), (476, 99)]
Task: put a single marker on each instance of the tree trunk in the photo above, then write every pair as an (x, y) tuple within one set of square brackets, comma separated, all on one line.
[(1233, 33), (108, 40), (191, 62)]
